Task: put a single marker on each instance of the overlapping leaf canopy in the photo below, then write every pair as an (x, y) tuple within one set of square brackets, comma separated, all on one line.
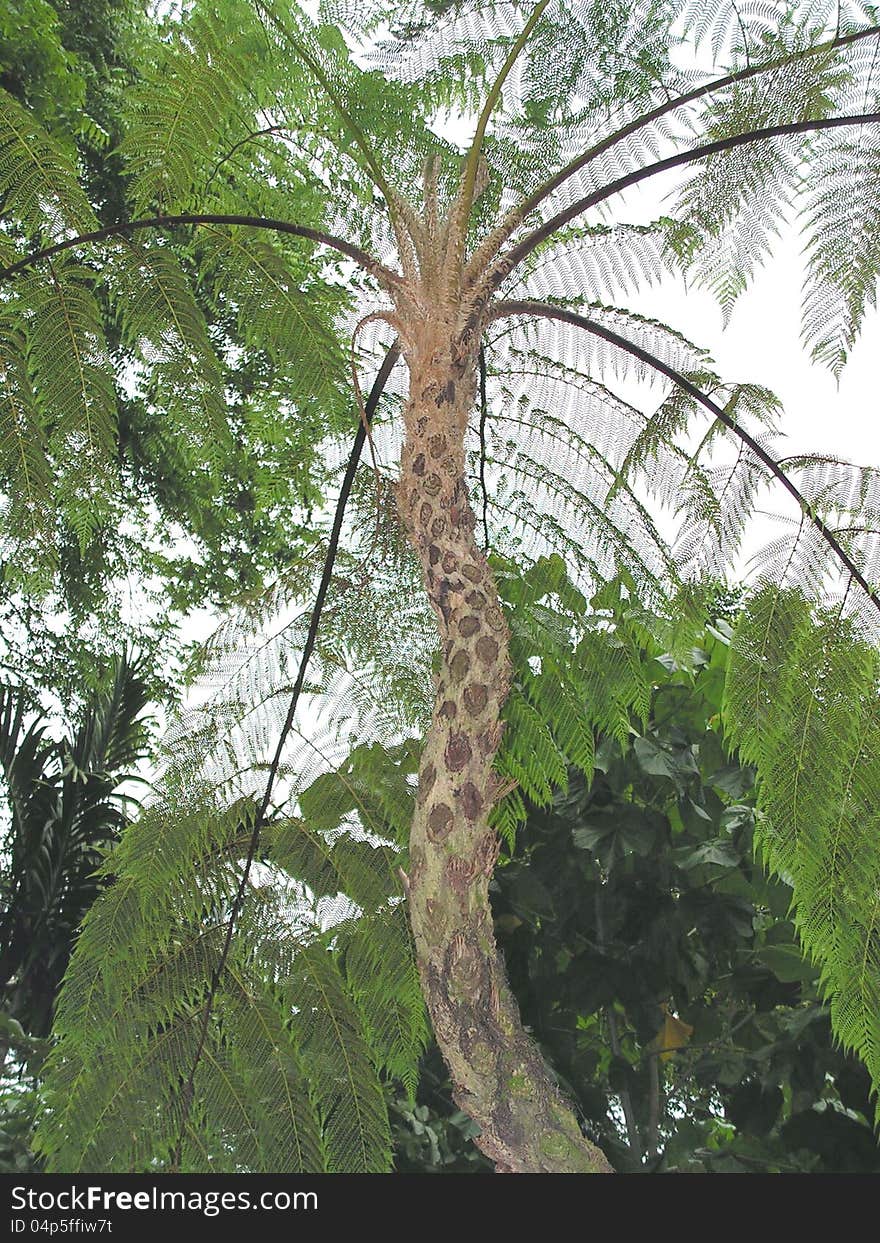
[(271, 172)]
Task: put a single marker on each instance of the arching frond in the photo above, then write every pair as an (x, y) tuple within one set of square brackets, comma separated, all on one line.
[(38, 185), (286, 1012), (801, 703)]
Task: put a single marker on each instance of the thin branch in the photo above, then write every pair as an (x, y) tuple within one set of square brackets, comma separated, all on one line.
[(542, 310), (629, 1113), (484, 413), (361, 257), (528, 205), (260, 819), (507, 262), (242, 142)]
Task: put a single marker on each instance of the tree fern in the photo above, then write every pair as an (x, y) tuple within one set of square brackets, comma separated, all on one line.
[(487, 274)]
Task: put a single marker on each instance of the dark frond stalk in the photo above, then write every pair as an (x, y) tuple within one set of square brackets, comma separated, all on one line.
[(484, 414), (266, 130), (367, 414), (524, 209), (543, 310), (513, 257), (401, 217), (681, 101), (499, 1077), (384, 275)]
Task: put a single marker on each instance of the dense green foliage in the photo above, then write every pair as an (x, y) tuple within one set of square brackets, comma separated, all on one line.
[(174, 367), (659, 968), (203, 483), (67, 803)]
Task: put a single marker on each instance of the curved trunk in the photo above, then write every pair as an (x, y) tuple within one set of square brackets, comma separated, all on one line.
[(499, 1077)]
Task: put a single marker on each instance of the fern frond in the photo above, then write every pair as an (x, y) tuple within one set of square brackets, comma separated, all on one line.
[(39, 187), (597, 263), (283, 1012), (26, 472), (531, 756), (384, 982), (73, 385), (576, 672), (182, 108), (329, 1026), (165, 329), (274, 1070), (842, 220), (801, 702)]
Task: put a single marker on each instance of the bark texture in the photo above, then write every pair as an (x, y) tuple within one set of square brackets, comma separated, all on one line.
[(499, 1076)]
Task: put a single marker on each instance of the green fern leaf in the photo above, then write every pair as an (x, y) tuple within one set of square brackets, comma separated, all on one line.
[(38, 185)]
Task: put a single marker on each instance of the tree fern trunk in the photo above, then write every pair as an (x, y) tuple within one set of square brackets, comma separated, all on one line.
[(499, 1077)]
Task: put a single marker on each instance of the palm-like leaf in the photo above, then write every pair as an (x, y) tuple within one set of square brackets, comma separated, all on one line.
[(66, 809)]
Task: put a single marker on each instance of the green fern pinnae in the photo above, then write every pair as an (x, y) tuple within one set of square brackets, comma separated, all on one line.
[(573, 677), (571, 460), (374, 782), (606, 260), (26, 471), (610, 540), (274, 314), (180, 112), (801, 702), (164, 328), (670, 420), (268, 1057), (842, 218), (381, 973), (329, 866), (736, 202), (530, 755), (554, 695), (73, 384), (508, 816), (231, 1123), (39, 186), (329, 1028), (293, 1042)]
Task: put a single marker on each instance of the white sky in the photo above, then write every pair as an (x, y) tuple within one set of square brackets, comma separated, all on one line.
[(762, 344)]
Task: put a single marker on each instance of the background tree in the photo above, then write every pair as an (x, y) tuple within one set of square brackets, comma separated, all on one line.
[(66, 810), (192, 515), (209, 1020), (67, 803)]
